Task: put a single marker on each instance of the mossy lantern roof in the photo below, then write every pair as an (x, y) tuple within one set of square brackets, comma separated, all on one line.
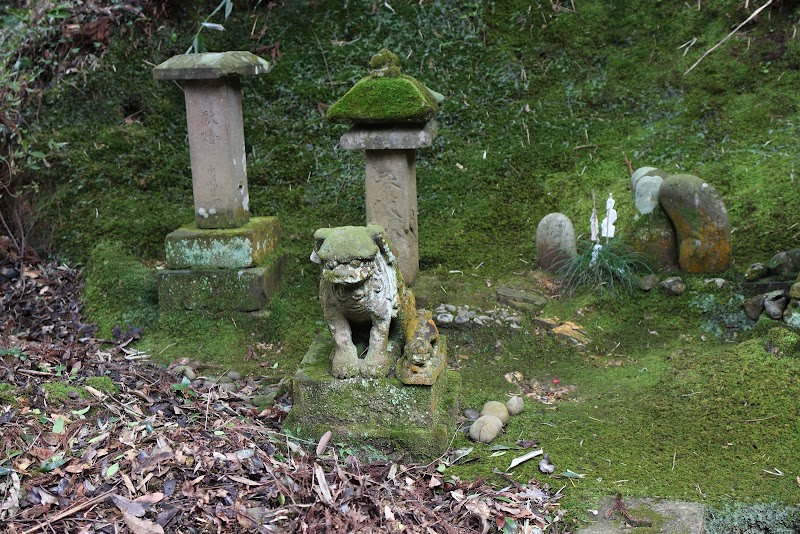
[(386, 96)]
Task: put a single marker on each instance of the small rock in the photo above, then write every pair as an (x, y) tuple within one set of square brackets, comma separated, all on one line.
[(785, 264), (233, 375), (439, 309), (485, 428), (471, 414), (451, 308), (461, 319), (755, 272), (555, 242), (775, 303), (444, 318), (189, 373), (754, 307), (513, 319), (478, 321), (224, 380), (230, 387), (515, 405), (673, 286), (719, 282), (497, 409), (545, 465), (262, 401), (648, 282), (72, 394), (794, 291), (179, 369)]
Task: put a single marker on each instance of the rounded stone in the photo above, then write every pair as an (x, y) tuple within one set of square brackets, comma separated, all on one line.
[(515, 405), (775, 303), (756, 271), (701, 221), (444, 318), (648, 282), (497, 409), (461, 319), (230, 387), (471, 414), (555, 241), (673, 285), (645, 193), (451, 308), (233, 375), (485, 428), (225, 380)]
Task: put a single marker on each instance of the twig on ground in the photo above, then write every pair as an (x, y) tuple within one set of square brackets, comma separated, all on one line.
[(736, 29)]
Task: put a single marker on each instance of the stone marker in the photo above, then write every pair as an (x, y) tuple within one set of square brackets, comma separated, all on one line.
[(665, 516), (701, 221), (555, 242), (224, 261), (391, 113), (216, 133)]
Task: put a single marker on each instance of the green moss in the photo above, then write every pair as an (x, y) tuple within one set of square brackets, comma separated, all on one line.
[(120, 290), (59, 392), (103, 384), (7, 393), (397, 99), (783, 342)]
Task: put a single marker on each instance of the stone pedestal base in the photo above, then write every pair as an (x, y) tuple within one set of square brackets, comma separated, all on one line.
[(190, 247), (415, 421), (220, 270)]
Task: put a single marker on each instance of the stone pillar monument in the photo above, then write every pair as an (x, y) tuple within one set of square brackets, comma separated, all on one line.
[(224, 261), (391, 113)]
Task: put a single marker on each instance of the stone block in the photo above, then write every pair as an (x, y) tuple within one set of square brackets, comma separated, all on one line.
[(653, 515), (521, 299), (415, 422), (394, 137), (219, 290), (190, 247)]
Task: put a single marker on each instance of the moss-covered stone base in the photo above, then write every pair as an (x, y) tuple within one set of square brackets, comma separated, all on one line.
[(415, 421), (219, 290), (190, 247)]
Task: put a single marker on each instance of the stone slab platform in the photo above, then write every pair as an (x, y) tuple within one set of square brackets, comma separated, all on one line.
[(417, 422), (190, 247), (673, 517), (221, 289)]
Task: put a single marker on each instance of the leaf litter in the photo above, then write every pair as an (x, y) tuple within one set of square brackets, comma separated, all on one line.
[(152, 458)]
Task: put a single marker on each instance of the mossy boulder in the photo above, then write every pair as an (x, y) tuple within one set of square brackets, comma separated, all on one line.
[(386, 96), (653, 235), (701, 221), (783, 342)]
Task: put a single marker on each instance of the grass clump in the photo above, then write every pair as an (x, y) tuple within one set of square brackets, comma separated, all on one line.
[(760, 518), (103, 384), (7, 395), (610, 270)]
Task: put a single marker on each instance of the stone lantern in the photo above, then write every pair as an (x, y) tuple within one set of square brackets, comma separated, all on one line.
[(225, 260), (392, 116)]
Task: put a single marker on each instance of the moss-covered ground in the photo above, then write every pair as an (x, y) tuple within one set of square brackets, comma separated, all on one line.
[(543, 106)]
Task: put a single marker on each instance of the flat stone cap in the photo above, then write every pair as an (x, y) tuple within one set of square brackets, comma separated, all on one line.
[(395, 137), (211, 66)]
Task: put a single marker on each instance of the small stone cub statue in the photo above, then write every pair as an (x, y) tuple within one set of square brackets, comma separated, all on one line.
[(364, 299)]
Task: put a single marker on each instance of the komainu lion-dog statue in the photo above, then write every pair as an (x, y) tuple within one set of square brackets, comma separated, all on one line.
[(364, 300)]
